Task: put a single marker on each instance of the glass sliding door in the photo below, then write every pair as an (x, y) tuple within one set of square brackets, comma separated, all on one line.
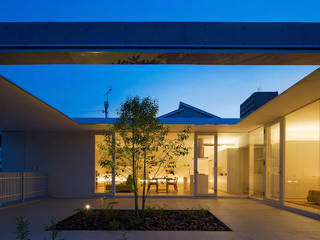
[(170, 178), (273, 162), (103, 170), (302, 158), (174, 177), (204, 165), (233, 164), (256, 163)]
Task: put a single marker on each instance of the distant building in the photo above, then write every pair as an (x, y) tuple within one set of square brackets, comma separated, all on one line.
[(255, 101)]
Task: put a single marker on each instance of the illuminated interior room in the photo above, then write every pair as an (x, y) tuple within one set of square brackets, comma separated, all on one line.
[(302, 158), (273, 162), (256, 163), (160, 180), (233, 164), (205, 165)]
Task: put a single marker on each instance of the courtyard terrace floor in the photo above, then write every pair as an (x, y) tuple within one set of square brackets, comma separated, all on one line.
[(248, 219)]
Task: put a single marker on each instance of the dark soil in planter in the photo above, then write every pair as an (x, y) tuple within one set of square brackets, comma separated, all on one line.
[(155, 220)]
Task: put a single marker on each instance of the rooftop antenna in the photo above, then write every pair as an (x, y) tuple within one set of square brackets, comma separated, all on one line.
[(259, 87), (106, 103)]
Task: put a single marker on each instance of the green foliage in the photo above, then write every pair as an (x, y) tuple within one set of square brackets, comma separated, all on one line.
[(129, 221), (150, 209), (114, 225), (142, 145), (203, 211), (53, 230), (89, 213), (121, 187), (107, 203), (79, 210), (188, 212), (23, 231)]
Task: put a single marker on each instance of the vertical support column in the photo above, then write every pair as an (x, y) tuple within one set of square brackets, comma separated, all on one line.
[(265, 140), (195, 169), (24, 167), (95, 178), (22, 186), (113, 189), (282, 159), (216, 164)]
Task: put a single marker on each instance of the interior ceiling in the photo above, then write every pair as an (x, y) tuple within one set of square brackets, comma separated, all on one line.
[(192, 58)]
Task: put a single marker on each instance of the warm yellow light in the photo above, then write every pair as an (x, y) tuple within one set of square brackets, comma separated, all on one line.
[(87, 207), (226, 141)]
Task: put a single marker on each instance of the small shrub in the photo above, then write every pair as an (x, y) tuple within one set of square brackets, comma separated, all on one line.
[(23, 231), (188, 212), (114, 225), (92, 214), (150, 209), (203, 211), (52, 228), (108, 204), (129, 221)]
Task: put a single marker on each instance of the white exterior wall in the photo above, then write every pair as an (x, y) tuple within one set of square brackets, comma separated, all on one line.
[(67, 158)]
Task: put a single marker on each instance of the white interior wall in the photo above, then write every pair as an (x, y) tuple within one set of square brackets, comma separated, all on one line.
[(302, 168)]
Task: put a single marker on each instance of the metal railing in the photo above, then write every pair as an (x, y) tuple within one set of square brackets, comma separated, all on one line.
[(21, 186)]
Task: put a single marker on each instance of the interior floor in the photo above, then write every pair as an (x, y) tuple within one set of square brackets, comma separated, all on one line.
[(182, 191), (303, 204)]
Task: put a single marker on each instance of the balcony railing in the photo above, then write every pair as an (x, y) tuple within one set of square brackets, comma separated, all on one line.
[(21, 186)]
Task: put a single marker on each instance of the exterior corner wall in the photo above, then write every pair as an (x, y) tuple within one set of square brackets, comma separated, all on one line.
[(13, 151), (67, 158)]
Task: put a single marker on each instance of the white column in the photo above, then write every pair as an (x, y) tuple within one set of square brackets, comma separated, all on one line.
[(282, 159), (114, 162), (216, 164), (195, 169)]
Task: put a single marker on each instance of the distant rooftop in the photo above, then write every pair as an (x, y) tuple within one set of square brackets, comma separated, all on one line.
[(185, 114), (187, 111), (191, 121)]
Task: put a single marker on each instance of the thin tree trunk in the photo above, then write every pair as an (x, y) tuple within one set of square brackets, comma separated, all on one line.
[(144, 183), (134, 177)]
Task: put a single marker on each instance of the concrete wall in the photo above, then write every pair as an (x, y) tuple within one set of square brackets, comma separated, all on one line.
[(67, 158), (13, 151)]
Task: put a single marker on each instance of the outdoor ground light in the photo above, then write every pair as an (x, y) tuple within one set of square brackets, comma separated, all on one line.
[(87, 207)]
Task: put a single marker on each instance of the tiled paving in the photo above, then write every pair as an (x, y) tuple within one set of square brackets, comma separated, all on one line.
[(248, 219)]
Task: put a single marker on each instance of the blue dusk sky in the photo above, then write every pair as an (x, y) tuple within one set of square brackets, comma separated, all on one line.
[(78, 90)]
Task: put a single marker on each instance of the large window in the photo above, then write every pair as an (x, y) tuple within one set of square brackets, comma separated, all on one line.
[(233, 164), (103, 175), (171, 177), (256, 162), (302, 158), (273, 162)]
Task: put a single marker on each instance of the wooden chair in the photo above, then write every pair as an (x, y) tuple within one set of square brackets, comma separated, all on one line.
[(151, 182), (173, 182)]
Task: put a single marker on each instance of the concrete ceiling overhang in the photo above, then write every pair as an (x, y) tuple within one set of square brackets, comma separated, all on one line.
[(21, 111), (207, 43)]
